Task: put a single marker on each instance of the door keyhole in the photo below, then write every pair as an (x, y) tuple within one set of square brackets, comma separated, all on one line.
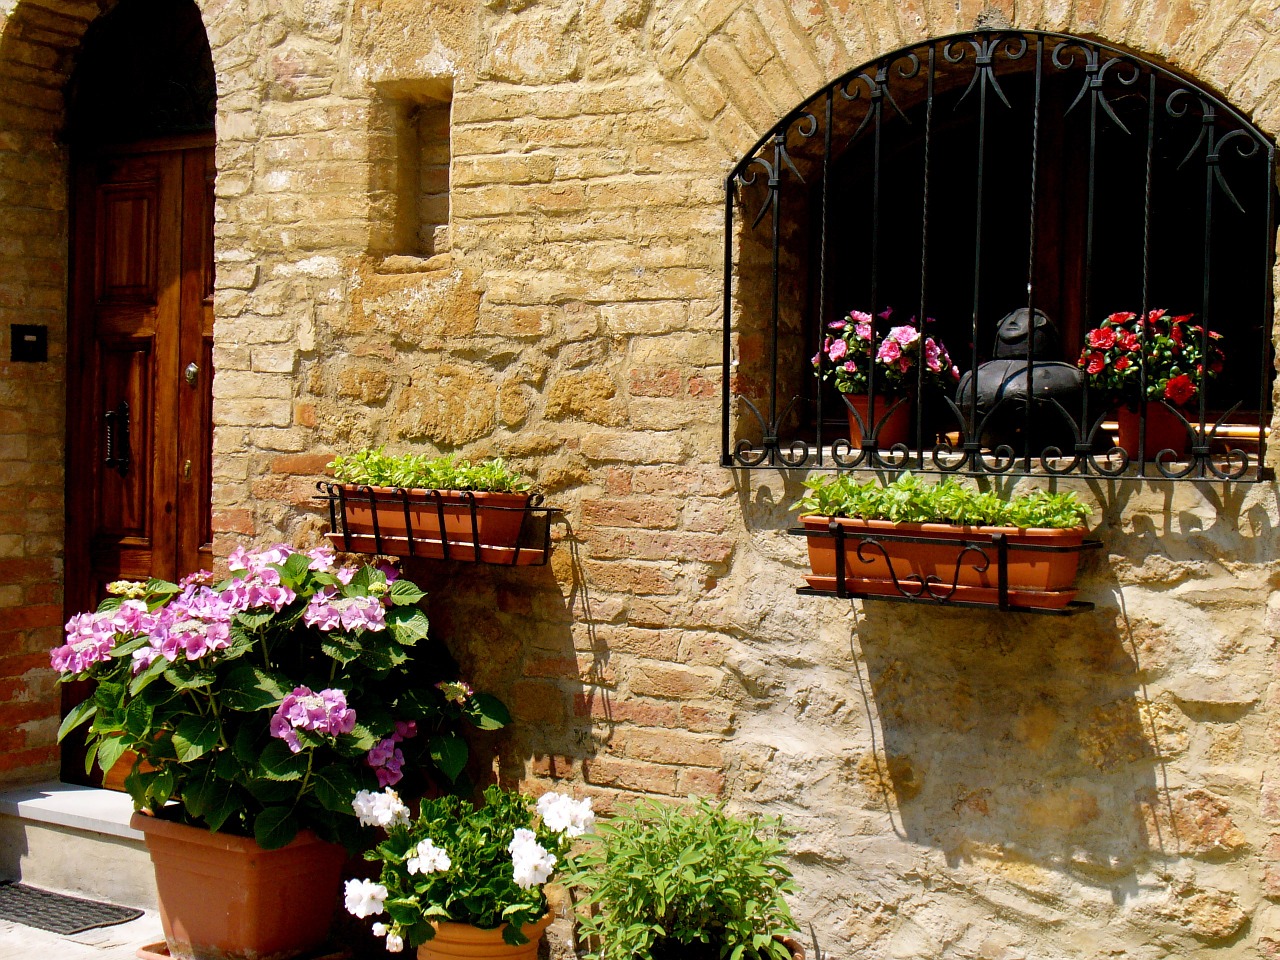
[(191, 372)]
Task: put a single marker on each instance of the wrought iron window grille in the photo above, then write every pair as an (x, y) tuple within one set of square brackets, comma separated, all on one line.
[(969, 176)]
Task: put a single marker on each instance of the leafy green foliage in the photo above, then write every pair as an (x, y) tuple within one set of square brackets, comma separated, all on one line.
[(657, 874), (415, 470), (911, 500), (205, 721)]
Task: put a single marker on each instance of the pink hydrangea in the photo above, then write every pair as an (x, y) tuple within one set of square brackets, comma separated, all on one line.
[(323, 712), (386, 758)]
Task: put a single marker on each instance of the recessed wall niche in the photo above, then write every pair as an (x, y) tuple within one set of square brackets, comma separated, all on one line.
[(410, 152)]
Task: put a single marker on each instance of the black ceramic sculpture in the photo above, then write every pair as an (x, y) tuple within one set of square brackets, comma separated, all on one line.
[(1002, 387)]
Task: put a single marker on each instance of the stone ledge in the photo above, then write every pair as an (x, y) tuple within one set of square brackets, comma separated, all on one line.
[(89, 809)]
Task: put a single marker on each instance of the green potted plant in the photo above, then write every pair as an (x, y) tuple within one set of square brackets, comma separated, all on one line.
[(662, 881), (854, 351), (462, 880), (416, 505), (256, 709), (917, 536), (1179, 357)]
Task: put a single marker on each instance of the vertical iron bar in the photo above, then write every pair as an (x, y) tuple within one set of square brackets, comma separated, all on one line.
[(1002, 569), (408, 521), (1268, 293), (870, 435), (775, 202), (822, 259), (924, 247), (837, 531), (444, 533), (373, 512), (973, 447), (726, 460), (1210, 158), (1145, 305), (1088, 233), (1029, 418)]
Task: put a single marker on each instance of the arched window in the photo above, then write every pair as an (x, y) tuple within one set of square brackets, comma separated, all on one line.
[(1026, 204)]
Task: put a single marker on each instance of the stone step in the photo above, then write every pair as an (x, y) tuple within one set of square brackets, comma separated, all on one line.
[(75, 840)]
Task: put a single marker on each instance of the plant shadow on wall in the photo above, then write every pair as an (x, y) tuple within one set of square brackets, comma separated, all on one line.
[(515, 629), (1011, 740)]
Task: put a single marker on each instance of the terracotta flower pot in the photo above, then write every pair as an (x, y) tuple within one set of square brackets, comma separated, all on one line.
[(456, 941), (896, 429), (225, 898), (1164, 432), (417, 514), (1036, 578)]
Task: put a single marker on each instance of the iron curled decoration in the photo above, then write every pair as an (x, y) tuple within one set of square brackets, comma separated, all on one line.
[(816, 226)]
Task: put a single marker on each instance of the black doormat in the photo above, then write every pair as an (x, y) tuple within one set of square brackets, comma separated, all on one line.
[(56, 912)]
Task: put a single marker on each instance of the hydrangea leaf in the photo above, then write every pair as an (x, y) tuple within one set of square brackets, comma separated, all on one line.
[(110, 749), (275, 827), (280, 763), (405, 592), (248, 687), (486, 711), (334, 786), (408, 625), (79, 714), (194, 737), (449, 752)]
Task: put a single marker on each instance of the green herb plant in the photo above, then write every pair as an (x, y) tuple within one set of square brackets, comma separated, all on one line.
[(415, 470), (664, 881), (908, 499)]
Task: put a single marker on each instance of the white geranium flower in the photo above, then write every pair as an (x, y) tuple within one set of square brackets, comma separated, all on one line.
[(565, 815), (532, 862), (380, 929), (429, 859), (383, 809), (395, 943), (364, 898)]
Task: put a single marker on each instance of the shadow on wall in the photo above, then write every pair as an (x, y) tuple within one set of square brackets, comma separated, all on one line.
[(512, 632)]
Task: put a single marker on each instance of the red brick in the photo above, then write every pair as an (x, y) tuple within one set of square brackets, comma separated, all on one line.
[(707, 783), (612, 709), (666, 746), (30, 761), (554, 767), (25, 618), (669, 682), (643, 777), (645, 512), (617, 481), (16, 666), (301, 464), (647, 382), (534, 701), (234, 521), (683, 481), (17, 712), (44, 593), (652, 545), (28, 570), (662, 644), (704, 388), (636, 578)]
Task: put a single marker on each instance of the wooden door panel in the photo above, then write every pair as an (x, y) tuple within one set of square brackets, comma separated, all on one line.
[(128, 230), (123, 446)]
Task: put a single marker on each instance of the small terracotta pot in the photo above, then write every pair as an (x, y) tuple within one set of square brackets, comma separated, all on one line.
[(462, 941), (896, 429), (498, 518), (1164, 432), (1030, 571), (225, 898)]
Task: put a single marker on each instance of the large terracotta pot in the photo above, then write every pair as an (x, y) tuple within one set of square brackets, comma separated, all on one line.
[(456, 941), (1164, 432), (225, 898), (417, 514), (896, 429), (1036, 578)]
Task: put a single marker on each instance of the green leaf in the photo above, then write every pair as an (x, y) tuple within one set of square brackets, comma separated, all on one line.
[(90, 755), (486, 711), (280, 763), (449, 751), (126, 649), (137, 718), (335, 787), (194, 737), (78, 714), (294, 570), (188, 677), (342, 647), (402, 910), (254, 619), (248, 687), (110, 749), (359, 585), (142, 680), (405, 592), (162, 588), (408, 625), (360, 740), (275, 827)]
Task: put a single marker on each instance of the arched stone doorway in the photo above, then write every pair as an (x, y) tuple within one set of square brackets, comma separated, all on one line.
[(80, 82), (140, 110)]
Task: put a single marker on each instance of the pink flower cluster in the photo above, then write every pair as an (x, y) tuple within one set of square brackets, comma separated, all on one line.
[(91, 636), (847, 351), (328, 611), (386, 758), (323, 712)]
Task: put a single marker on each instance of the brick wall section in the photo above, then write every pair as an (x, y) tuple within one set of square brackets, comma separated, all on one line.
[(960, 784)]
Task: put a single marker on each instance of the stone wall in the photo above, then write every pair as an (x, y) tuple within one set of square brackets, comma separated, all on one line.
[(961, 784)]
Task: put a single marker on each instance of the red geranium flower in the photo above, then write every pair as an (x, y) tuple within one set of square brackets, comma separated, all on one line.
[(1104, 338), (1179, 389), (1096, 363), (1155, 315), (1131, 342), (1122, 363), (1122, 317)]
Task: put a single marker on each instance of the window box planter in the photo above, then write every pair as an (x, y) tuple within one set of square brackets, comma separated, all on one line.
[(474, 526), (1005, 567)]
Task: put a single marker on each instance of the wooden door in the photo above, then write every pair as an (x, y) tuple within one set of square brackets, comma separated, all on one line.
[(140, 373)]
